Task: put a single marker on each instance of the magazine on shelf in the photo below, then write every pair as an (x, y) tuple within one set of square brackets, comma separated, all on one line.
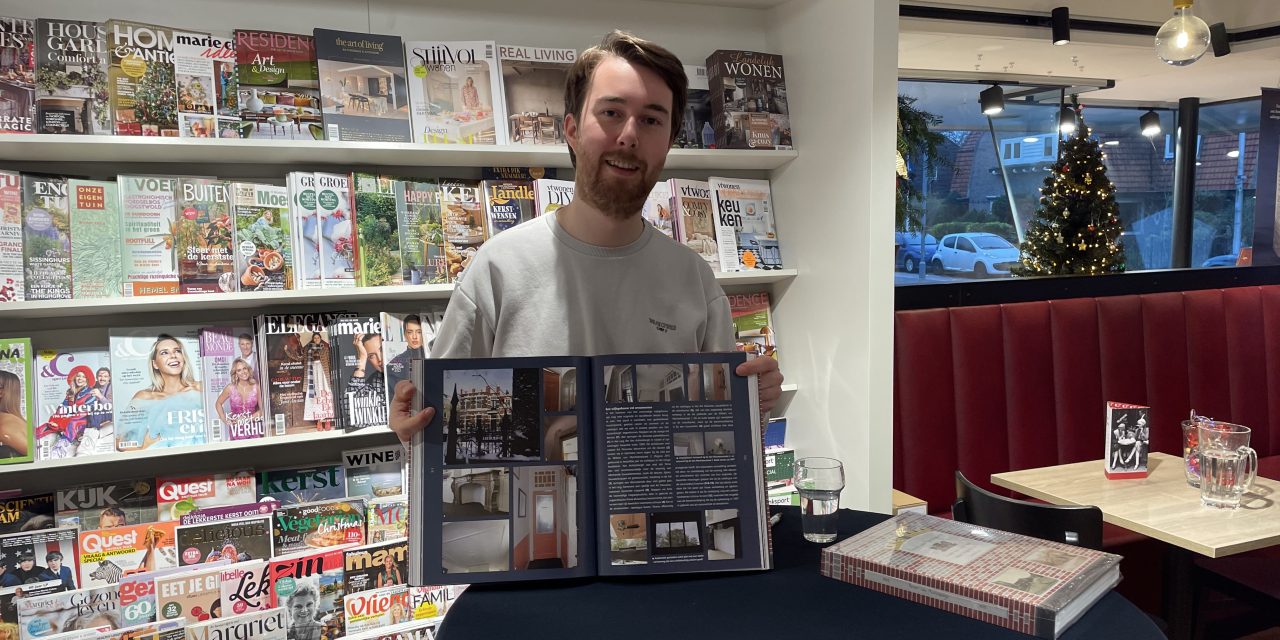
[(108, 504), (95, 239), (278, 86), (29, 513), (203, 236), (107, 555), (73, 55), (147, 213), (305, 225), (550, 194), (269, 624), (166, 630), (73, 404), (140, 79), (195, 595), (753, 323), (308, 586), (228, 512), (533, 80), (507, 203), (362, 86), (697, 131), (661, 452), (46, 237), (406, 337), (417, 629), (27, 559), (246, 587), (138, 593), (264, 246), (318, 525), (205, 79), (17, 67), (230, 540), (388, 519), (745, 231), (302, 484), (1022, 583), (17, 373), (379, 239), (376, 472), (296, 378), (157, 393), (338, 232), (376, 608), (358, 369), (12, 287), (462, 214), (433, 601), (177, 496), (455, 93), (58, 612), (748, 96), (422, 247), (694, 219), (375, 566), (657, 209), (232, 390)]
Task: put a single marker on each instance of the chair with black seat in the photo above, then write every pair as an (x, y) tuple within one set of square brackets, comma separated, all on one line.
[(1079, 526)]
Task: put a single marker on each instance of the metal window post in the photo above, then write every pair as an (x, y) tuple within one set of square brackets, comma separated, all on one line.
[(1184, 182)]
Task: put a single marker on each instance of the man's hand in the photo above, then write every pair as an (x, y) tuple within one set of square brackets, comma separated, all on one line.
[(402, 419), (770, 379)]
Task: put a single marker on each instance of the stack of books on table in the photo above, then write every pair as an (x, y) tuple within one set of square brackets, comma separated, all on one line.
[(1018, 582)]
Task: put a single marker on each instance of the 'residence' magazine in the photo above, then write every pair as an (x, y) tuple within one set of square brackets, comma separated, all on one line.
[(538, 468)]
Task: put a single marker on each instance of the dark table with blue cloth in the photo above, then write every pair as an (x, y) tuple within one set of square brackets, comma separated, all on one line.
[(793, 600)]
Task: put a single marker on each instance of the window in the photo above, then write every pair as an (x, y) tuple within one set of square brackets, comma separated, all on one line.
[(964, 244), (1226, 182)]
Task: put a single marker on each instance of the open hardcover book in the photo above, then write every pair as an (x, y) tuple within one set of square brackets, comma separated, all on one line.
[(558, 467)]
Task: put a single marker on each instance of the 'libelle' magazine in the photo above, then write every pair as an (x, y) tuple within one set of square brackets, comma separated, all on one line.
[(558, 467)]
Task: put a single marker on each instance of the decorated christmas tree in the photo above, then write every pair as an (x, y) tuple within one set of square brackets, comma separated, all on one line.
[(1076, 229), (157, 98)]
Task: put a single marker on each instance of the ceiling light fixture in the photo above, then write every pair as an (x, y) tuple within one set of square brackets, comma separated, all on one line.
[(1067, 120), (1219, 39), (1184, 38), (992, 99), (1150, 122), (1060, 20)]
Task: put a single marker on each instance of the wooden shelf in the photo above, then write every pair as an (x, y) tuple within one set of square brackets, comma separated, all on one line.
[(259, 299), (55, 148)]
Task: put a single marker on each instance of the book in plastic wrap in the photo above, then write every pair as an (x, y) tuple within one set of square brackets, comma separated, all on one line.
[(148, 224), (230, 540), (551, 194), (745, 231), (177, 496), (339, 235), (1033, 586), (406, 337), (107, 555), (95, 239), (109, 504), (12, 287), (375, 566), (455, 93), (140, 82), (302, 484), (204, 237), (748, 95), (264, 247), (297, 377), (318, 525), (358, 369), (308, 586), (204, 69), (194, 595), (55, 613), (26, 513), (17, 401), (71, 61), (46, 237), (507, 203), (376, 472), (232, 389), (388, 519), (377, 219), (18, 68), (694, 219), (422, 247), (278, 90), (753, 323), (73, 404), (362, 86), (533, 80), (157, 392)]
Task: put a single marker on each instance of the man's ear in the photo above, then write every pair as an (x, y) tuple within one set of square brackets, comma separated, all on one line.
[(571, 131)]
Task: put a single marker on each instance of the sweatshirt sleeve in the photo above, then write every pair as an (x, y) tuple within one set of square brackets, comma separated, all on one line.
[(464, 332), (720, 330)]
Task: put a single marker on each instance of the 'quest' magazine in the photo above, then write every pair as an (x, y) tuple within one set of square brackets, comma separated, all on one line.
[(558, 467)]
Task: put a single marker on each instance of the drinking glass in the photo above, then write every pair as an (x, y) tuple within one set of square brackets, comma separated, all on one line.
[(1227, 464), (1191, 451), (819, 482)]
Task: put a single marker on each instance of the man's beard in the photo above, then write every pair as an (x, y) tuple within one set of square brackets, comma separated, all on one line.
[(615, 196)]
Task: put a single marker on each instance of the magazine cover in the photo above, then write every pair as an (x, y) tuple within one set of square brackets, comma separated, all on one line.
[(338, 232), (35, 563), (95, 239), (17, 401), (54, 613), (533, 80), (362, 86), (71, 73), (552, 194), (748, 100), (206, 515), (376, 472), (375, 566), (507, 203), (308, 586), (157, 396), (388, 519), (455, 93), (138, 593), (376, 608), (302, 484), (462, 214), (231, 540), (205, 262), (17, 74), (179, 496), (106, 555), (107, 505), (422, 247), (194, 595), (46, 237), (316, 525), (657, 209), (260, 625), (433, 601), (297, 377), (140, 79), (694, 218), (278, 89), (12, 287), (26, 513), (305, 225), (147, 214), (166, 630), (406, 337), (358, 371), (379, 239), (697, 132), (232, 391), (73, 404), (753, 323), (246, 587), (744, 224), (264, 250), (204, 70)]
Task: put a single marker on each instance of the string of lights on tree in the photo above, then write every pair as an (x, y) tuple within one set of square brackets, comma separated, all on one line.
[(1076, 229)]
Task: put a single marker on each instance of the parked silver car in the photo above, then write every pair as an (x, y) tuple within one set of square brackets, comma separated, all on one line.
[(981, 254)]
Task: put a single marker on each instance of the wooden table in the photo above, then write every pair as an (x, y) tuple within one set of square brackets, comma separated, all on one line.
[(1162, 506)]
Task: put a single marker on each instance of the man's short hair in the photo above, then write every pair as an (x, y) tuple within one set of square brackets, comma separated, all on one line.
[(637, 51), (53, 556), (26, 556)]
